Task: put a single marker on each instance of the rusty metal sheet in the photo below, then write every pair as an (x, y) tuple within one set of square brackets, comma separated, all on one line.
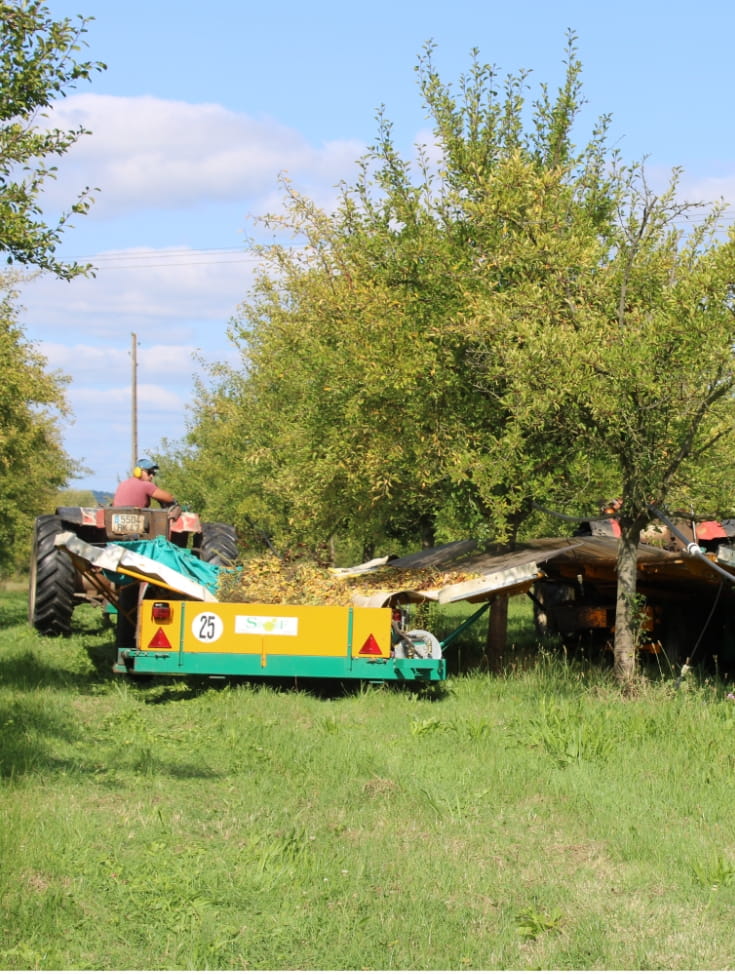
[(591, 558), (442, 555), (493, 573)]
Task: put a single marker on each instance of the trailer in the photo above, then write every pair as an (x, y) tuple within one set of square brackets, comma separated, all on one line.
[(178, 637), (170, 623)]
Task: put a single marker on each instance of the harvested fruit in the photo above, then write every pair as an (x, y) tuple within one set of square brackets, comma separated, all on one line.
[(268, 579)]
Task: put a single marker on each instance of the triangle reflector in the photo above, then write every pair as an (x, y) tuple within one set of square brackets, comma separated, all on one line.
[(370, 648), (159, 641)]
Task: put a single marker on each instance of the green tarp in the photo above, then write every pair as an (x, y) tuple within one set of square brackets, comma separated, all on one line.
[(180, 559)]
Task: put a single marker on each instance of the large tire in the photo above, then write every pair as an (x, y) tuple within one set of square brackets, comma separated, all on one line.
[(218, 544), (52, 581)]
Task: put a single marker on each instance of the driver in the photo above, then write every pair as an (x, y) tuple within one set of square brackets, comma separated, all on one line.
[(138, 490)]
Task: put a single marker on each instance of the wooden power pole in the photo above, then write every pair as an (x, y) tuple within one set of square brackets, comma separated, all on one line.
[(134, 386)]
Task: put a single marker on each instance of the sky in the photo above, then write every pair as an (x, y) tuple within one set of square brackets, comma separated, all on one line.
[(204, 107)]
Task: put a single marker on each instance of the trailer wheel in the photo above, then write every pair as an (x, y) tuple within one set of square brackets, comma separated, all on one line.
[(52, 581), (218, 544)]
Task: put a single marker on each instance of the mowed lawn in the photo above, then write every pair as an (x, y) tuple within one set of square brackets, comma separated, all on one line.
[(531, 820)]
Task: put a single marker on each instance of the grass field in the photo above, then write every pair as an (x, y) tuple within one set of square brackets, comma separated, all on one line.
[(533, 820)]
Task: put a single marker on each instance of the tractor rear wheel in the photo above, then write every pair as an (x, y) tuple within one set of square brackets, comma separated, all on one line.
[(218, 544), (52, 581)]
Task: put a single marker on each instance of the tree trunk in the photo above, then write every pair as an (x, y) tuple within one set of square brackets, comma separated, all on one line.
[(427, 528), (368, 551), (627, 609)]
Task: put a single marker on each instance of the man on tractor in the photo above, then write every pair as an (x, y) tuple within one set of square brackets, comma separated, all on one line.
[(138, 490)]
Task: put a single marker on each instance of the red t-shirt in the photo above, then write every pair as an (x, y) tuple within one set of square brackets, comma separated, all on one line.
[(135, 491)]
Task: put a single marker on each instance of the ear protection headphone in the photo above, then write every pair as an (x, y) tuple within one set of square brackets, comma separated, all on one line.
[(144, 465)]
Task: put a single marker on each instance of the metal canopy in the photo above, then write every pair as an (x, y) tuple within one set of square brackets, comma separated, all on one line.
[(590, 558)]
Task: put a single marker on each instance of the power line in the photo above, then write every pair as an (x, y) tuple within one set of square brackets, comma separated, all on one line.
[(178, 257), (124, 255), (139, 267)]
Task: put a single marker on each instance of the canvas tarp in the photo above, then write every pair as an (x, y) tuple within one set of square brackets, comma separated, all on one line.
[(156, 561)]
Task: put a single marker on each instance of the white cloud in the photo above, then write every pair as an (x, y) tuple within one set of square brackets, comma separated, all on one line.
[(93, 362), (150, 397), (151, 153), (84, 360), (142, 288)]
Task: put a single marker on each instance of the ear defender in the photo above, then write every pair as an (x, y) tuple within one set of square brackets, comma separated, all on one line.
[(137, 472)]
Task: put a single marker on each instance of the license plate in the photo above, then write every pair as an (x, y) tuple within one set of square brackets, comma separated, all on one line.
[(127, 523)]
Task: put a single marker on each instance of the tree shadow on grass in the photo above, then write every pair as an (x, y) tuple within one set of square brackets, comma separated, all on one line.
[(64, 667), (25, 724), (23, 753), (13, 613), (33, 729), (102, 657), (28, 671)]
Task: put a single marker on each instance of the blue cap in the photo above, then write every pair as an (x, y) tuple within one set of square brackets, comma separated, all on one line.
[(147, 465)]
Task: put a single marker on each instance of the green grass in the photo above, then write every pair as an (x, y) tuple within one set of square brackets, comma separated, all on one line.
[(533, 820)]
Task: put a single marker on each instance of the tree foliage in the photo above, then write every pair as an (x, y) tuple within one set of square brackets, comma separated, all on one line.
[(506, 322), (38, 66), (32, 462), (365, 405), (660, 370)]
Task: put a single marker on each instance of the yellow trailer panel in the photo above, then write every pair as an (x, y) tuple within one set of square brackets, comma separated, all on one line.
[(265, 629)]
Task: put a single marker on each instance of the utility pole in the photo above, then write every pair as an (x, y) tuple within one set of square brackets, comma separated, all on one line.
[(134, 385)]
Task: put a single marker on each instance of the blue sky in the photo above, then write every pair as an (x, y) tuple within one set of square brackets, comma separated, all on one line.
[(203, 105)]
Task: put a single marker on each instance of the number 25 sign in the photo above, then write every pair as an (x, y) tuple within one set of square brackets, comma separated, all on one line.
[(206, 627)]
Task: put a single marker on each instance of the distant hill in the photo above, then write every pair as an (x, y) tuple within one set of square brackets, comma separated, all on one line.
[(102, 497)]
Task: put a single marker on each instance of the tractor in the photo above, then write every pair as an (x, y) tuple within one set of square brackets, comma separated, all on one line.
[(57, 584)]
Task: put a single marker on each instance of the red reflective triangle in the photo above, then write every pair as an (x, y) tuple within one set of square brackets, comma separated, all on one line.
[(370, 648), (159, 641)]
